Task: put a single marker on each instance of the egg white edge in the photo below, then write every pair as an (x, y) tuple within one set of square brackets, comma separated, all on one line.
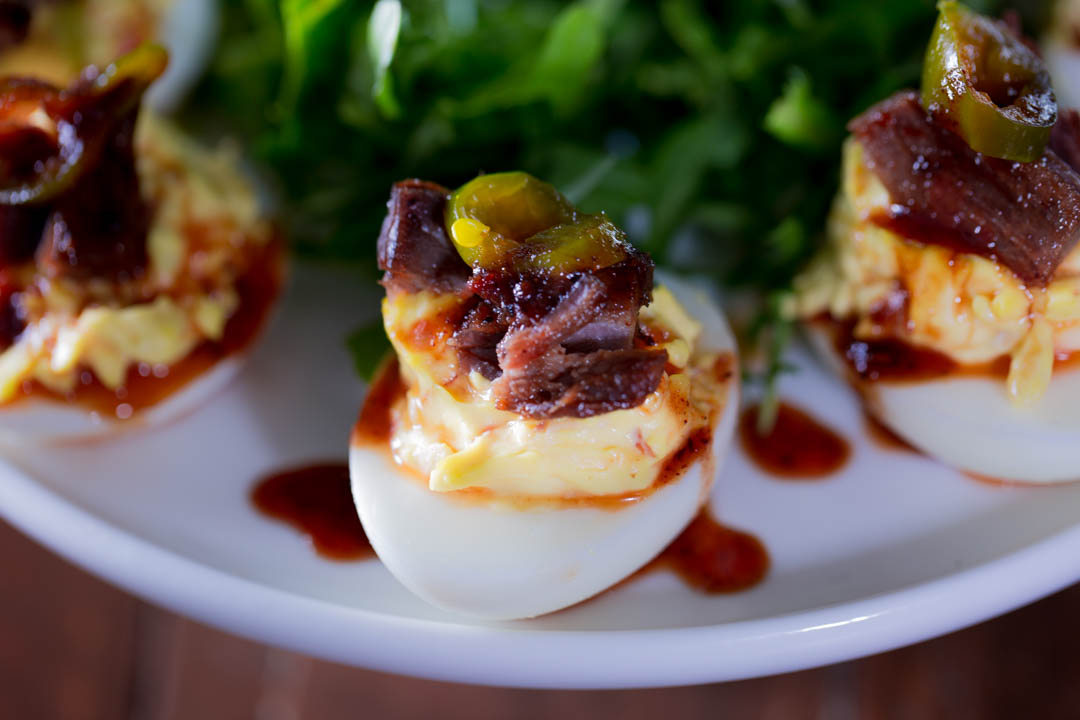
[(500, 564), (968, 422), (46, 421)]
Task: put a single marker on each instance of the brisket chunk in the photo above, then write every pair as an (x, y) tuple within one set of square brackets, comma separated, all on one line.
[(1023, 215), (477, 338), (540, 378), (414, 250), (561, 384)]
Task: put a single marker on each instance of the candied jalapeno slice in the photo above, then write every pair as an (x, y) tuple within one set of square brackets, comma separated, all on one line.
[(982, 81), (489, 217), (590, 243)]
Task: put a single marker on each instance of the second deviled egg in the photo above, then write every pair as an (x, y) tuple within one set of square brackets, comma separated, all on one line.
[(551, 421)]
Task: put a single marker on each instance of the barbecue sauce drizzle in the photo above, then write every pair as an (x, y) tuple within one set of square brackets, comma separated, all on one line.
[(316, 500), (797, 447)]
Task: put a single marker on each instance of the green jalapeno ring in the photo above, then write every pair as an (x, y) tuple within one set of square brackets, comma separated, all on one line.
[(489, 217), (591, 243), (988, 86)]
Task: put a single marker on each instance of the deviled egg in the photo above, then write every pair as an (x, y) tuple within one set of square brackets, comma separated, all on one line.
[(949, 291), (135, 266), (550, 420)]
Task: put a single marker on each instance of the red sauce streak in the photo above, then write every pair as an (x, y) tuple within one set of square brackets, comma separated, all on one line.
[(146, 386), (1001, 482), (882, 436), (714, 558), (317, 501), (724, 367), (891, 360), (695, 448), (797, 447), (375, 423)]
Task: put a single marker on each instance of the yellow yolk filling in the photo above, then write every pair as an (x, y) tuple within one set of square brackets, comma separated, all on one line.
[(448, 428), (206, 217), (962, 305)]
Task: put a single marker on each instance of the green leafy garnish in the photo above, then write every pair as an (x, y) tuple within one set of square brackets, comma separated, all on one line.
[(368, 346), (799, 118)]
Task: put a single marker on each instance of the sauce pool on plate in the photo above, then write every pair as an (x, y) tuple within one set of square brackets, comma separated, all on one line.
[(798, 447), (316, 500)]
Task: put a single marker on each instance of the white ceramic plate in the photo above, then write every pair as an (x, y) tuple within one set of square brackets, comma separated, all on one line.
[(189, 29), (893, 550)]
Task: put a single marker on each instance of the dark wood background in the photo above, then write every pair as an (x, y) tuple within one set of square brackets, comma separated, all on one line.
[(74, 648)]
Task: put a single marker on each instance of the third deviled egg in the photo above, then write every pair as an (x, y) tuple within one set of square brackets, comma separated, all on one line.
[(949, 291)]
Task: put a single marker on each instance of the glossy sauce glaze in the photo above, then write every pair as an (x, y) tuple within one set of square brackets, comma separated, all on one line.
[(147, 385), (1001, 483), (375, 423), (317, 501), (891, 360), (713, 558), (797, 447)]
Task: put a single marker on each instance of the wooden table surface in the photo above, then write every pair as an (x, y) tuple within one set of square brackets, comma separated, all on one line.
[(72, 647)]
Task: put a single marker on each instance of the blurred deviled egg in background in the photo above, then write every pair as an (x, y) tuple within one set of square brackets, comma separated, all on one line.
[(1061, 48), (53, 41), (136, 267), (949, 290)]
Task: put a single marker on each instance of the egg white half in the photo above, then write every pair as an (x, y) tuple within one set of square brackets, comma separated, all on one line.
[(970, 423), (189, 30), (498, 563), (44, 420)]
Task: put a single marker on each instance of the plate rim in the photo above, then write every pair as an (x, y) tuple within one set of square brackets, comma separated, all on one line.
[(535, 658)]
